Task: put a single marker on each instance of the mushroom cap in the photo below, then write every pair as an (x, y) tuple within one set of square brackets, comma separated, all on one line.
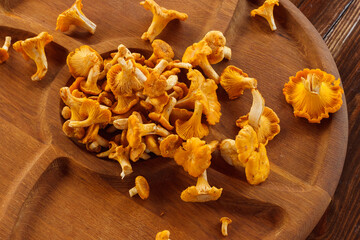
[(313, 94), (194, 156), (216, 41), (169, 145), (77, 133), (257, 168), (269, 125), (82, 60), (164, 235), (142, 187), (136, 153), (246, 142), (196, 52), (225, 219), (162, 50), (192, 194), (235, 81)]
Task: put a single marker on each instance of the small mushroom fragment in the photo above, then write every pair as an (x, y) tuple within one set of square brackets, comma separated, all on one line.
[(66, 112), (4, 51), (235, 81), (163, 235), (74, 16), (202, 192), (161, 17), (313, 94), (34, 48), (267, 11), (225, 221), (141, 187)]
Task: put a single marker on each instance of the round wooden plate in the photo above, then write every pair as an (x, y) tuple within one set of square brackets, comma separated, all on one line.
[(49, 186)]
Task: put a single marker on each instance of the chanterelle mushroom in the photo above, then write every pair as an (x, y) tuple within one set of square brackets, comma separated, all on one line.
[(122, 155), (217, 41), (74, 16), (192, 127), (169, 145), (195, 155), (161, 50), (225, 221), (161, 17), (141, 187), (235, 81), (313, 94), (4, 55), (34, 48), (82, 60), (163, 235), (267, 12), (202, 192), (197, 54)]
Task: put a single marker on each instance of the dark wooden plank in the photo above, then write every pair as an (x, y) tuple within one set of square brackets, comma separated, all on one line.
[(324, 13), (341, 220), (297, 2)]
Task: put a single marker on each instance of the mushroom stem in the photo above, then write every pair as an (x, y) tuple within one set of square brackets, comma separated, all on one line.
[(225, 221), (140, 75), (209, 70), (213, 145), (89, 25), (7, 43), (227, 53), (256, 109), (160, 67), (202, 183), (133, 191), (171, 81)]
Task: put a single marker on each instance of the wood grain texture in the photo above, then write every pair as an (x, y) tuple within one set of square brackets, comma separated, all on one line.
[(58, 182), (342, 35)]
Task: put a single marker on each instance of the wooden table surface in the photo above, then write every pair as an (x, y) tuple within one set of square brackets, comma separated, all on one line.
[(338, 22)]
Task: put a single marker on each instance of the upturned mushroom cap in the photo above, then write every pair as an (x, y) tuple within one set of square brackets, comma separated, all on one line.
[(313, 94), (161, 17), (164, 235), (34, 48), (74, 16), (82, 60), (194, 156), (267, 11), (235, 81)]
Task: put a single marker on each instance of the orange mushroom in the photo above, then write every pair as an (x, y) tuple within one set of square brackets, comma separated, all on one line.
[(197, 54), (169, 145), (235, 81), (161, 50), (74, 16), (93, 138), (217, 41), (161, 17), (202, 192), (121, 154), (257, 168), (141, 188), (163, 235), (267, 11), (225, 221), (34, 48), (163, 117), (193, 127), (205, 91), (4, 54), (313, 94), (195, 156)]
